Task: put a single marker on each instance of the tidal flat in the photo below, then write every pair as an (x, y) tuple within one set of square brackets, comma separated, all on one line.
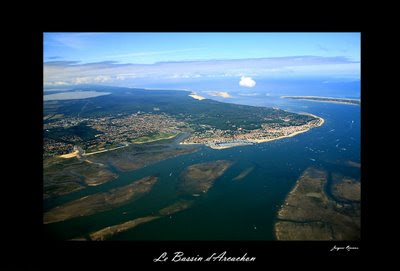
[(110, 231), (64, 176), (346, 189), (244, 173), (308, 213), (200, 177), (194, 179), (135, 157), (100, 201)]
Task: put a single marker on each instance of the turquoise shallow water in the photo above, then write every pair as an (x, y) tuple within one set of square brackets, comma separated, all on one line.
[(231, 210)]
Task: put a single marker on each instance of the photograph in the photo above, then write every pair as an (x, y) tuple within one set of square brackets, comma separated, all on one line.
[(202, 136)]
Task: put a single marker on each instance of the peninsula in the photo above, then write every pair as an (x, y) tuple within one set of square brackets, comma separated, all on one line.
[(89, 142), (134, 116), (324, 99), (219, 139)]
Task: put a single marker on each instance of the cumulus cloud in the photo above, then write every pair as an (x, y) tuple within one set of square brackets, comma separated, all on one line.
[(247, 82), (90, 79), (56, 83)]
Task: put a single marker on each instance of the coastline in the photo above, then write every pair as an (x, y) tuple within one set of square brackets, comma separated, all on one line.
[(76, 153), (322, 121), (321, 99), (212, 145)]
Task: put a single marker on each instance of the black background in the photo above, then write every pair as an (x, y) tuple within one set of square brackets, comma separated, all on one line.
[(22, 195)]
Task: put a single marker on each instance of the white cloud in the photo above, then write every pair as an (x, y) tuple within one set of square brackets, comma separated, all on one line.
[(247, 82), (56, 83), (73, 72), (102, 78), (248, 94), (82, 80)]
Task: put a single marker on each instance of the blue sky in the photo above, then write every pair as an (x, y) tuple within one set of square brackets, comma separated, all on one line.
[(124, 58)]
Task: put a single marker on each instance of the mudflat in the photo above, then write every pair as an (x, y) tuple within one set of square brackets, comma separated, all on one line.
[(108, 232), (136, 157), (243, 174), (309, 214), (199, 178), (64, 176), (175, 207), (100, 201), (347, 189)]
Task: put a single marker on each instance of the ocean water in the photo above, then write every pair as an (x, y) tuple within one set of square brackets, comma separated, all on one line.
[(243, 209), (265, 87)]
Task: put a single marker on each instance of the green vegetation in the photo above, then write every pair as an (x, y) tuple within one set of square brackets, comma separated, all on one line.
[(52, 117), (153, 137), (80, 130), (103, 146), (232, 117), (177, 104)]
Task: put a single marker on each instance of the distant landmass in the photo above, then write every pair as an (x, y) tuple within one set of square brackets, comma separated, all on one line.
[(131, 116), (72, 95), (325, 99)]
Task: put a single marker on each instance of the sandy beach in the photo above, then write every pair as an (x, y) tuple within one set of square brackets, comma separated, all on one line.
[(70, 155), (316, 99), (197, 97)]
